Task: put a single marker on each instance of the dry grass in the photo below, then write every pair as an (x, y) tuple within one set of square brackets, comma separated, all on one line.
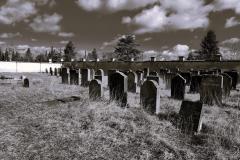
[(33, 126)]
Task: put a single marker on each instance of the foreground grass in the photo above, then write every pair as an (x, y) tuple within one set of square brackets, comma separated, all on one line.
[(34, 126)]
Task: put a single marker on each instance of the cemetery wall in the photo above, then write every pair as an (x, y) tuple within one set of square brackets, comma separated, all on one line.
[(155, 66), (26, 66)]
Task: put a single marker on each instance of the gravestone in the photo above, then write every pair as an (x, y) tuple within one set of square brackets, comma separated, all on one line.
[(168, 79), (211, 89), (95, 89), (118, 83), (65, 76), (178, 86), (139, 77), (55, 72), (234, 75), (109, 73), (195, 84), (132, 82), (46, 70), (227, 84), (75, 77), (190, 117), (99, 74), (26, 83), (59, 72), (150, 96), (187, 76), (85, 77), (51, 71), (145, 72)]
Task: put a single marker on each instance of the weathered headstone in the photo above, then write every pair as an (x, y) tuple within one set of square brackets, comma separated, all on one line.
[(85, 77), (51, 71), (195, 84), (95, 89), (26, 83), (211, 89), (55, 72), (75, 76), (118, 83), (139, 77), (65, 76), (235, 76), (150, 96), (99, 74), (190, 117), (227, 84), (178, 86), (132, 82), (145, 72), (168, 79)]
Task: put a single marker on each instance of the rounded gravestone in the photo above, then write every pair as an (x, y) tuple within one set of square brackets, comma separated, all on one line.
[(26, 82), (95, 89), (150, 96)]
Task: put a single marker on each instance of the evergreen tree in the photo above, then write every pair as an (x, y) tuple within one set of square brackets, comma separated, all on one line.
[(126, 48), (13, 56), (209, 46), (6, 55), (1, 55), (69, 52), (28, 56), (17, 56), (93, 55)]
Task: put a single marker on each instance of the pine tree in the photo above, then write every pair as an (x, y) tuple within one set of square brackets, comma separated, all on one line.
[(127, 48), (6, 55), (209, 46), (69, 52), (28, 56), (93, 55)]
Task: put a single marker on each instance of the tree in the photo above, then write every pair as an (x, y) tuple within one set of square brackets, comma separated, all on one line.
[(93, 55), (126, 48), (18, 57), (209, 46), (6, 56), (28, 56), (40, 58), (69, 51)]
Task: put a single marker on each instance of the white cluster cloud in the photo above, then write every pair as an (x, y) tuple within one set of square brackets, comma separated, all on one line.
[(231, 41), (227, 4), (10, 35), (65, 34), (178, 14), (16, 10), (47, 23), (113, 5), (231, 22)]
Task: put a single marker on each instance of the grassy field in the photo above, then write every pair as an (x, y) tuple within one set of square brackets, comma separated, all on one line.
[(34, 124)]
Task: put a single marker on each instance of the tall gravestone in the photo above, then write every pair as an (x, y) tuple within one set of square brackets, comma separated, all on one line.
[(211, 89), (234, 75), (51, 71), (65, 76), (178, 87), (227, 84), (190, 117), (55, 72), (132, 82), (195, 84), (85, 77), (26, 83), (95, 89), (118, 83), (75, 76), (139, 77), (150, 96)]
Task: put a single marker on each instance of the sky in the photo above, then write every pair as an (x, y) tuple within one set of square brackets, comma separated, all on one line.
[(170, 26)]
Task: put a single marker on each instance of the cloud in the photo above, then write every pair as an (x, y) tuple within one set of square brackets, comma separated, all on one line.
[(113, 5), (227, 4), (10, 35), (172, 15), (112, 42), (147, 39), (47, 23), (126, 20), (16, 10), (63, 42), (175, 52), (231, 41), (65, 34), (2, 42), (231, 22)]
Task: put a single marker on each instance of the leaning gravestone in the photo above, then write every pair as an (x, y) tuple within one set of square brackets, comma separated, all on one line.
[(227, 84), (95, 89), (118, 83), (234, 75), (85, 77), (150, 96), (132, 82), (75, 76), (178, 86), (211, 89), (190, 117), (65, 76), (26, 83), (195, 84)]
